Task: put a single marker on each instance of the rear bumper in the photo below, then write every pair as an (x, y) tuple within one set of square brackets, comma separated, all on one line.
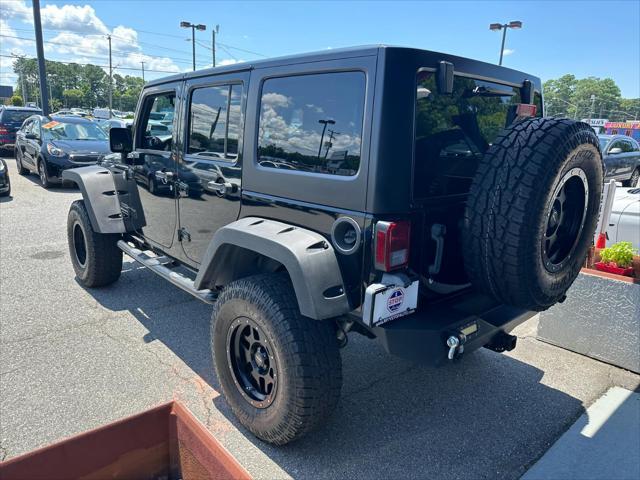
[(422, 336)]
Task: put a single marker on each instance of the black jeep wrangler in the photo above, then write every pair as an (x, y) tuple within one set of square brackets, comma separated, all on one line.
[(410, 196)]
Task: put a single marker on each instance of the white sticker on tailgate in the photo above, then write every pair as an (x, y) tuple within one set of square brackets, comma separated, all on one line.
[(394, 302)]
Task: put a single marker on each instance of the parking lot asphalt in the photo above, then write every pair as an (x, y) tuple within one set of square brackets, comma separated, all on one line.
[(73, 359)]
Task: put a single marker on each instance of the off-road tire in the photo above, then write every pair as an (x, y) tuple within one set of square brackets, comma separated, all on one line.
[(101, 263), (509, 205), (21, 169), (305, 352), (634, 181)]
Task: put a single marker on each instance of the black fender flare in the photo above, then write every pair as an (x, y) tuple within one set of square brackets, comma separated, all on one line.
[(306, 255), (100, 199)]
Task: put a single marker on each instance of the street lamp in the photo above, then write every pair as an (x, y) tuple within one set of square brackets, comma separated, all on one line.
[(193, 28), (324, 129), (503, 26)]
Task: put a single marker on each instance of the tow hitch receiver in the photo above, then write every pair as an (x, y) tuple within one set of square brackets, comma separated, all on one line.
[(503, 342)]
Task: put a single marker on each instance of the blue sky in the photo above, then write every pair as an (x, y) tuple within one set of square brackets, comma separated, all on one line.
[(586, 38)]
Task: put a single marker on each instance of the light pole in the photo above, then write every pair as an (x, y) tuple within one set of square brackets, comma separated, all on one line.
[(503, 26), (324, 129), (193, 27)]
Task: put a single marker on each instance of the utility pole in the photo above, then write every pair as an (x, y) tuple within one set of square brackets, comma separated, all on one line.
[(142, 71), (324, 129), (42, 71), (329, 144), (593, 106), (213, 44), (110, 79)]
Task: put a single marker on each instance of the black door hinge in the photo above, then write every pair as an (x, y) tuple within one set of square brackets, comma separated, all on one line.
[(183, 234)]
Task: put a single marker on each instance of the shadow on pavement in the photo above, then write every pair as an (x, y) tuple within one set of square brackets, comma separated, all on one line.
[(486, 416)]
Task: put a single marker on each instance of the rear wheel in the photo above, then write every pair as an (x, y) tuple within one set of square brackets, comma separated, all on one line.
[(634, 181), (280, 372), (95, 257), (21, 169), (532, 211)]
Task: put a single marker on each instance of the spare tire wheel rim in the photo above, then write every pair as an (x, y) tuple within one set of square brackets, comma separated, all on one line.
[(79, 244), (252, 362), (565, 218)]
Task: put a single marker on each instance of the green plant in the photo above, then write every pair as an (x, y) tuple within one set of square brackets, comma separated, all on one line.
[(16, 101), (620, 253)]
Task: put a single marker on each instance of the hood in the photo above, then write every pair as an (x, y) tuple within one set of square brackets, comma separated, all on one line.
[(83, 147)]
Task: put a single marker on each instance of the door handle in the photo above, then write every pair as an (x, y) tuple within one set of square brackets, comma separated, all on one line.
[(220, 188), (164, 176)]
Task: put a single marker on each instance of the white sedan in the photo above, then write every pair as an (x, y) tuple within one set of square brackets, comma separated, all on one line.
[(624, 222)]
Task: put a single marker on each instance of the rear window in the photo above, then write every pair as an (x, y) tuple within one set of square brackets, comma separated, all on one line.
[(17, 116), (312, 123), (452, 132)]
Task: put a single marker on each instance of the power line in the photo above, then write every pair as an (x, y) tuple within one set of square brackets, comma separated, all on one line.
[(85, 64), (122, 52)]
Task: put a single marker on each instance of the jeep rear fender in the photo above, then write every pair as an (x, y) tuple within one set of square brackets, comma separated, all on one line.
[(106, 196), (306, 255)]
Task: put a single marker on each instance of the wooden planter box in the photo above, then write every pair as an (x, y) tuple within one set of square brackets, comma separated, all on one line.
[(600, 318), (166, 442)]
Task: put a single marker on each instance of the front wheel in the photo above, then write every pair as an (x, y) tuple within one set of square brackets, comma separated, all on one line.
[(95, 257), (280, 372), (43, 174)]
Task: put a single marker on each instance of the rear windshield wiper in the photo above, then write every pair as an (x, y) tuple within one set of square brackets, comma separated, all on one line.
[(487, 92)]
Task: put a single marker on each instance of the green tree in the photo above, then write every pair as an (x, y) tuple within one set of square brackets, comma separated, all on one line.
[(73, 97), (16, 100), (589, 97)]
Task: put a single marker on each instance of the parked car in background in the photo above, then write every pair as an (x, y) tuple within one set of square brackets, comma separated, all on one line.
[(81, 112), (621, 155), (11, 119), (49, 145), (108, 124), (61, 113), (624, 222), (5, 183)]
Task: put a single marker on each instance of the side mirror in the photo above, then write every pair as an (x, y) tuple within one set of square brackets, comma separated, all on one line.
[(120, 140), (615, 151), (31, 136)]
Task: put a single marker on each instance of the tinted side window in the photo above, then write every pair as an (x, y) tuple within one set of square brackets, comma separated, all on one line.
[(312, 123), (156, 122), (214, 122), (618, 144), (627, 146)]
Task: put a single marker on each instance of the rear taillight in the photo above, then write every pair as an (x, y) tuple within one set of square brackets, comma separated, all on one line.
[(392, 241), (3, 131)]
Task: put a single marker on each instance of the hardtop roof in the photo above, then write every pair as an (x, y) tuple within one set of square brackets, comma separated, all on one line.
[(324, 55)]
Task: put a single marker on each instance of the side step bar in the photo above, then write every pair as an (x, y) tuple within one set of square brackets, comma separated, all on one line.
[(155, 264)]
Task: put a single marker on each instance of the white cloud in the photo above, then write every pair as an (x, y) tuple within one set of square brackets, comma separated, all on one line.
[(15, 9), (508, 51), (9, 33), (228, 61), (75, 18), (81, 38)]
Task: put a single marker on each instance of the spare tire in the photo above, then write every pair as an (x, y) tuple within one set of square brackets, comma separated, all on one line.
[(532, 211)]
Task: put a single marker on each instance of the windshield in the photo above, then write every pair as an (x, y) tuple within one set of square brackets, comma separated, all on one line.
[(55, 130), (603, 143), (17, 116)]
